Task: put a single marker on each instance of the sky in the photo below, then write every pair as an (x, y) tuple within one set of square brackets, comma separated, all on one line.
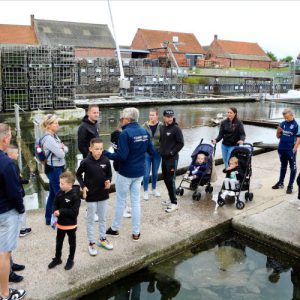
[(274, 25)]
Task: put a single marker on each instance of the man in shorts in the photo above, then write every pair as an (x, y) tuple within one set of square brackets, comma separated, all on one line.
[(11, 210)]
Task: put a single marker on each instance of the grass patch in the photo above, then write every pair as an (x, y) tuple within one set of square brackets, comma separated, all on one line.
[(195, 80)]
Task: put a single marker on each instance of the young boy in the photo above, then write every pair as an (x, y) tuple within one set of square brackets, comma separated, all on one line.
[(66, 208), (13, 153), (197, 169), (95, 186), (233, 174)]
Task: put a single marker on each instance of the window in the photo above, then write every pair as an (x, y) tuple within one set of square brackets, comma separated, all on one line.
[(67, 31), (86, 32), (47, 29)]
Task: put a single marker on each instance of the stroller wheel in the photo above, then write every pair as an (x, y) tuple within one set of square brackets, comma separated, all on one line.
[(240, 204), (247, 196), (178, 191), (220, 201), (196, 196), (210, 189), (250, 196), (181, 191)]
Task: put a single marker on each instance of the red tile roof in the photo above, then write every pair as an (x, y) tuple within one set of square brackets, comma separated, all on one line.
[(187, 42), (17, 34), (245, 48)]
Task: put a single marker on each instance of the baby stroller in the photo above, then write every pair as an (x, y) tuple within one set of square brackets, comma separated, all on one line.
[(209, 151), (244, 156)]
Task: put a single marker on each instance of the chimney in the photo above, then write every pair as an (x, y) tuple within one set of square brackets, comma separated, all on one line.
[(32, 20), (215, 37)]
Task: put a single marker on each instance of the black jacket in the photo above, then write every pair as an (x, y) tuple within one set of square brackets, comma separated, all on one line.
[(96, 172), (86, 131), (68, 205), (240, 173), (231, 132), (171, 141)]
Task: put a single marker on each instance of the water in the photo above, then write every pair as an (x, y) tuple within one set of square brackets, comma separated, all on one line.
[(226, 270), (193, 119)]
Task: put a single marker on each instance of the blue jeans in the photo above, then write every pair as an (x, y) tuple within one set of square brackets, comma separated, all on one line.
[(53, 177), (155, 161), (287, 156), (226, 151), (123, 186)]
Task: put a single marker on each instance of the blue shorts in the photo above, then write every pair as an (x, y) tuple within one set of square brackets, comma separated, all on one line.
[(10, 223)]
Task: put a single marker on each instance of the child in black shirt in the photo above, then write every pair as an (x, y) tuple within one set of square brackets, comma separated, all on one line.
[(66, 208)]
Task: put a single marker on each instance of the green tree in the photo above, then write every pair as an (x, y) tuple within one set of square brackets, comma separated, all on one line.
[(272, 56), (288, 59)]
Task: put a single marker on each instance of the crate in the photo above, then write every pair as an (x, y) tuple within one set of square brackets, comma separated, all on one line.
[(14, 77), (14, 56), (40, 76), (63, 55), (40, 98), (40, 55), (64, 75), (11, 97), (64, 97)]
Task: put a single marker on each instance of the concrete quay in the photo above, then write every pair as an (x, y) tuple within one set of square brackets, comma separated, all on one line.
[(272, 216)]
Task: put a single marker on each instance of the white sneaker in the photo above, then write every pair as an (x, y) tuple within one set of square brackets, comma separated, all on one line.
[(172, 207), (96, 218), (155, 193), (126, 213), (92, 250), (166, 202), (105, 244), (146, 195)]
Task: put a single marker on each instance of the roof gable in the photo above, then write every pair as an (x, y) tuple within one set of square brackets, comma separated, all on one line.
[(187, 42), (17, 34), (55, 33), (242, 48)]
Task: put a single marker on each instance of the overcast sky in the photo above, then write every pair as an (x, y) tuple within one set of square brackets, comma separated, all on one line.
[(274, 25)]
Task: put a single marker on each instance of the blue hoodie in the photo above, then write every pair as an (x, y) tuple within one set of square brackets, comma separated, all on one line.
[(10, 186), (134, 141)]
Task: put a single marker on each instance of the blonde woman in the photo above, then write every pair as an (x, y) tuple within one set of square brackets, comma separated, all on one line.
[(55, 152)]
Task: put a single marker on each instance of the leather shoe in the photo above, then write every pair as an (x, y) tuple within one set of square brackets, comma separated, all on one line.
[(16, 267), (13, 277)]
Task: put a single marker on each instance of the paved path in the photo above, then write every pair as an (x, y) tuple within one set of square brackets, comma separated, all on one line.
[(162, 235)]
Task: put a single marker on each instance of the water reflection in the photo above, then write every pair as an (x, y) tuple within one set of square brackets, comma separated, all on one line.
[(228, 270)]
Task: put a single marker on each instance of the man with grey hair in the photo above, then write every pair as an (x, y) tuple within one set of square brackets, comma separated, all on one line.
[(134, 141), (11, 210), (289, 139)]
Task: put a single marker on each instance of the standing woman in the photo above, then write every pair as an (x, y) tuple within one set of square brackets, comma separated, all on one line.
[(55, 152), (153, 128), (232, 132)]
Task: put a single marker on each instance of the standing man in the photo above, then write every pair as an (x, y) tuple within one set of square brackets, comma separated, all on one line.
[(11, 210), (133, 143), (88, 129), (289, 140), (171, 142)]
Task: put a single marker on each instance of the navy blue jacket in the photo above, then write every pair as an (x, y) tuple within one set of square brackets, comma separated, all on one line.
[(10, 186), (289, 135), (134, 142)]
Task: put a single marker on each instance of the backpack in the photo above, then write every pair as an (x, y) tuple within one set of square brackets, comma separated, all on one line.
[(39, 150)]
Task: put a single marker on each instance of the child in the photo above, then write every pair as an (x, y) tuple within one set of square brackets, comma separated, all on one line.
[(95, 185), (197, 169), (233, 174), (13, 153), (66, 208)]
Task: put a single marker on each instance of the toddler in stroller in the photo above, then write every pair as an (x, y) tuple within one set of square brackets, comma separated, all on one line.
[(199, 171), (238, 175)]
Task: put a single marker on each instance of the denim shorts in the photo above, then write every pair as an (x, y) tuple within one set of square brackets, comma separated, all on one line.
[(9, 230)]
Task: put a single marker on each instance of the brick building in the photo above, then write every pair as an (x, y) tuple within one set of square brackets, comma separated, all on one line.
[(89, 40), (232, 54), (185, 47)]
